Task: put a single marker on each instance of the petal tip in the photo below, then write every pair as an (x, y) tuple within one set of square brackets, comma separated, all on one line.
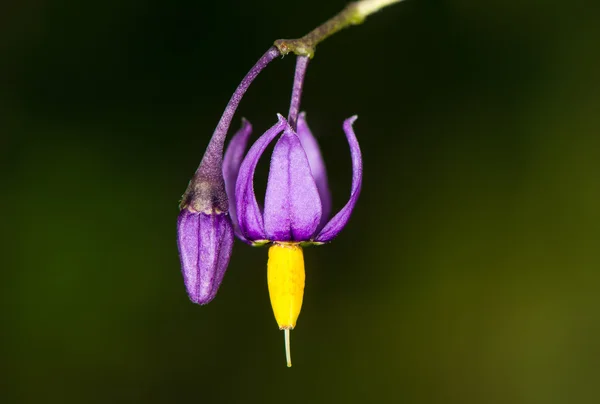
[(201, 300), (286, 125), (351, 120), (246, 124)]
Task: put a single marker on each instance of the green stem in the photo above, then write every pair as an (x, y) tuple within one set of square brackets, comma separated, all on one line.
[(353, 14)]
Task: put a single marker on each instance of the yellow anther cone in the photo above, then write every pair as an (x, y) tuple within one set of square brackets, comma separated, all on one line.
[(285, 276)]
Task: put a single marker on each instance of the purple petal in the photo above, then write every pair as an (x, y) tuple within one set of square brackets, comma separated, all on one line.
[(249, 216), (205, 241), (231, 167), (292, 203), (338, 222), (317, 166)]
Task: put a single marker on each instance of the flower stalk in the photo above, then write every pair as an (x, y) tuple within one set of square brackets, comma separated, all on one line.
[(211, 162), (301, 65)]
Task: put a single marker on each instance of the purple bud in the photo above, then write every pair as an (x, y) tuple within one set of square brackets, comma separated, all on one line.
[(204, 230), (205, 241)]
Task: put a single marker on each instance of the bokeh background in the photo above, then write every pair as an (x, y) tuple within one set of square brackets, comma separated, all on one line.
[(469, 272)]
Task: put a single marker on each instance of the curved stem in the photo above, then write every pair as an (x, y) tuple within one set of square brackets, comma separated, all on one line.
[(301, 65), (211, 164), (353, 14)]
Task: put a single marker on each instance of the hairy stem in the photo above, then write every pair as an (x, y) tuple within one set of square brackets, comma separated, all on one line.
[(211, 164)]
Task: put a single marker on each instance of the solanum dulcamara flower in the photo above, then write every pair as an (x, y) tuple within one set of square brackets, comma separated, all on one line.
[(220, 201), (297, 205)]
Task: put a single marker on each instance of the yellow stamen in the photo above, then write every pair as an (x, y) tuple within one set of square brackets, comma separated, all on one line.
[(285, 276)]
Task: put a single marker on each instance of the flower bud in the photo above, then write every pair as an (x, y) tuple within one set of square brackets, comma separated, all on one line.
[(205, 241)]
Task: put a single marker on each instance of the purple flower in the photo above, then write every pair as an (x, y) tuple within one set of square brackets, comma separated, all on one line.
[(297, 201), (220, 201), (296, 209)]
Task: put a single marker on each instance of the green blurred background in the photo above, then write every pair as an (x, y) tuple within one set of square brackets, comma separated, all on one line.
[(468, 273)]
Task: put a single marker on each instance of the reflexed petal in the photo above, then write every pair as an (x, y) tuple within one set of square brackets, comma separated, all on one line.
[(231, 167), (249, 216), (205, 241), (317, 166), (337, 223), (292, 204)]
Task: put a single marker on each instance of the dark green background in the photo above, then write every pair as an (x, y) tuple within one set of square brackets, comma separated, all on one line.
[(469, 272)]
